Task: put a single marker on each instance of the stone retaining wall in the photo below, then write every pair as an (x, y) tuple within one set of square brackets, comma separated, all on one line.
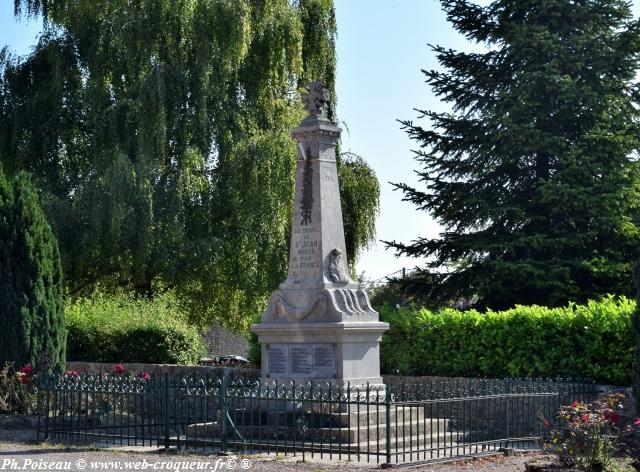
[(171, 369)]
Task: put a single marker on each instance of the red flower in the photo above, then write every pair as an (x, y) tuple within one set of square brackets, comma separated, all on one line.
[(26, 369), (71, 372), (546, 423), (637, 422), (24, 378), (118, 369), (584, 418), (146, 377), (575, 404), (611, 416)]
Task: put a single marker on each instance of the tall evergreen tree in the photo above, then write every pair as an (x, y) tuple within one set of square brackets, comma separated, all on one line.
[(532, 174), (158, 131), (31, 312)]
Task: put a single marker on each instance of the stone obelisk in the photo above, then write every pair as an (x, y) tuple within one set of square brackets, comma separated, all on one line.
[(319, 324)]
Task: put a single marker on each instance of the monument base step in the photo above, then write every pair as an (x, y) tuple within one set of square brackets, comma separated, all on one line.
[(434, 443), (320, 415), (327, 429)]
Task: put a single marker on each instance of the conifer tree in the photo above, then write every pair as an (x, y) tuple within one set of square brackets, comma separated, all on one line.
[(532, 174), (31, 312)]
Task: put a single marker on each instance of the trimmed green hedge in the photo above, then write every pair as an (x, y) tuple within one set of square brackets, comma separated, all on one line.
[(126, 329), (592, 341)]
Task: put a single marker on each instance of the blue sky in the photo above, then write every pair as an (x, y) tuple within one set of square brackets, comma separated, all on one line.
[(382, 46)]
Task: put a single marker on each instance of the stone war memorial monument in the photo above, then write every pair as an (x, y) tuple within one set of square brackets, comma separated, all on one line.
[(319, 324)]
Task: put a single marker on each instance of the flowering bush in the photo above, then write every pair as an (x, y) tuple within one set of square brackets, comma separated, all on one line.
[(17, 392), (587, 435)]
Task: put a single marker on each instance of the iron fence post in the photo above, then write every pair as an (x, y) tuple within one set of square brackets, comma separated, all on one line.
[(506, 413), (45, 388), (388, 422), (166, 411), (223, 411)]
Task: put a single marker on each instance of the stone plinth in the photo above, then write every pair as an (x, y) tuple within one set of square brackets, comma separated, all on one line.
[(319, 324), (334, 352)]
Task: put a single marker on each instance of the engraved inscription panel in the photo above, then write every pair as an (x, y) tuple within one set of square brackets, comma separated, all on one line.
[(305, 248), (277, 359), (324, 356), (301, 359)]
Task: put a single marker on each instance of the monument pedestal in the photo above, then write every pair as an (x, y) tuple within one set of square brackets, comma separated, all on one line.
[(338, 353)]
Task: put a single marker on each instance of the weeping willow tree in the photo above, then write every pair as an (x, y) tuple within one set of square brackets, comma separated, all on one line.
[(158, 133)]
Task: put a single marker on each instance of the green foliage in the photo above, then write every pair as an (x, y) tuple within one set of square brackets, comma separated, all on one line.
[(532, 174), (159, 133), (360, 194), (31, 287), (319, 45), (406, 290), (127, 329), (591, 341)]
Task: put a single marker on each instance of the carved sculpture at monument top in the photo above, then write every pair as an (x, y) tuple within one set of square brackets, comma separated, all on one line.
[(316, 99), (318, 303)]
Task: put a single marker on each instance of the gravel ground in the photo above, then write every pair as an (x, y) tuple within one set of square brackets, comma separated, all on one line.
[(15, 454)]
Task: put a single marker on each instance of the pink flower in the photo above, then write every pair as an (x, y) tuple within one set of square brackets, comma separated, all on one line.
[(24, 379), (71, 372), (118, 369), (584, 418), (26, 369), (637, 422), (146, 377)]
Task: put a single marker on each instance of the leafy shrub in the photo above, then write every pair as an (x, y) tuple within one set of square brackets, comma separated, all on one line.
[(592, 341), (586, 436), (125, 329)]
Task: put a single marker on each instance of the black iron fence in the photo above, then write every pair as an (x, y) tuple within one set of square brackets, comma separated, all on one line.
[(394, 423)]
